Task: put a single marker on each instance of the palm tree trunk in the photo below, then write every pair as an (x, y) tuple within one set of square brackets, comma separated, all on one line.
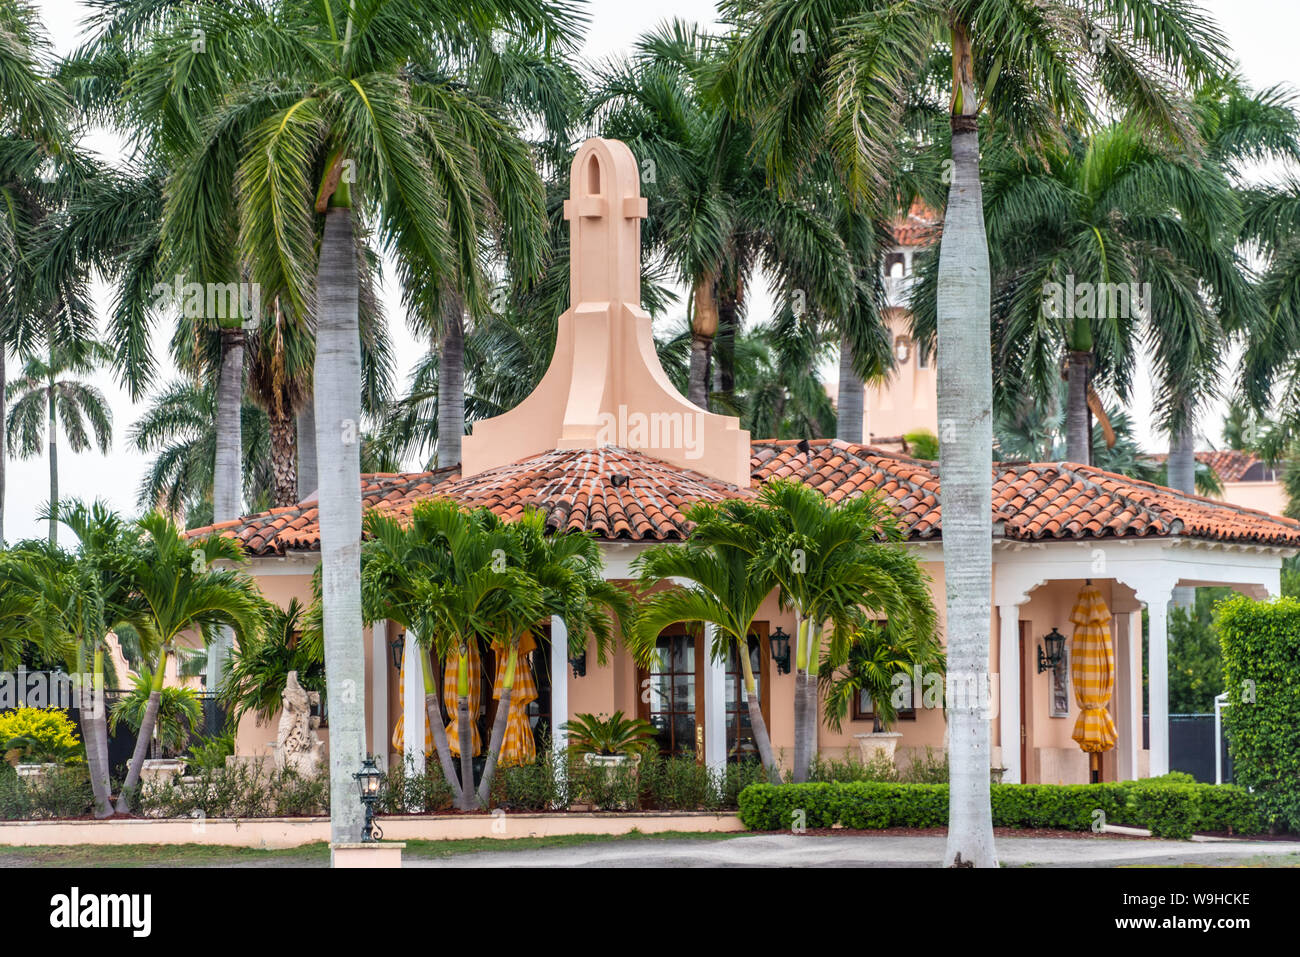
[(756, 723), (228, 473), (1181, 470), (4, 413), (704, 326), (54, 467), (94, 731), (337, 381), (284, 457), (802, 750), (698, 387), (438, 729), (849, 412), (498, 732), (1180, 473), (724, 349), (467, 794), (143, 739), (1078, 428), (965, 405), (451, 384), (307, 448)]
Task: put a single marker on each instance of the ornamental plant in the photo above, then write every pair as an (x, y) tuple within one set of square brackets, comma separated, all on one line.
[(589, 734), (1261, 674), (40, 736)]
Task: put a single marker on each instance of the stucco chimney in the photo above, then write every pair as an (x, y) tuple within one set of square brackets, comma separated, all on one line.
[(605, 385)]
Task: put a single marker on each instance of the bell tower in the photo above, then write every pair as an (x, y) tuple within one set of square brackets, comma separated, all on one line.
[(605, 385)]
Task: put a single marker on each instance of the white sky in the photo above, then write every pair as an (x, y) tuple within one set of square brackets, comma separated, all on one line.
[(1261, 31)]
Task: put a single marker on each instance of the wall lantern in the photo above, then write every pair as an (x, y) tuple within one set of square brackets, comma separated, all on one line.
[(368, 780), (398, 648), (902, 348), (1054, 642), (579, 664), (780, 643)]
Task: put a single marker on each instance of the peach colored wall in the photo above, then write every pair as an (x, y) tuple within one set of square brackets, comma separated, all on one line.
[(1268, 497), (908, 399)]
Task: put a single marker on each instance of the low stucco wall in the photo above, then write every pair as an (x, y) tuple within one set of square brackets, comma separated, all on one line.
[(292, 832)]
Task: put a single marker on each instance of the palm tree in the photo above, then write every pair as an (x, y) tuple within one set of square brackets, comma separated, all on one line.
[(45, 399), (290, 641), (448, 575), (872, 663), (833, 78), (724, 590), (178, 427), (711, 214), (566, 569), (833, 564), (73, 600), (174, 579)]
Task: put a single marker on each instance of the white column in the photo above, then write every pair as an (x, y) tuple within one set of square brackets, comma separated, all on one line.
[(413, 706), (715, 707), (379, 658), (1121, 706), (1158, 684), (1133, 662), (559, 687), (1009, 669)]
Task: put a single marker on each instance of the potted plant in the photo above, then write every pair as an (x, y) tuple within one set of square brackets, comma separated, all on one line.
[(609, 742), (179, 712)]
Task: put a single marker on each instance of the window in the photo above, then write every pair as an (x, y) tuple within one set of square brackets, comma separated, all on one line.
[(672, 695), (740, 730), (669, 700)]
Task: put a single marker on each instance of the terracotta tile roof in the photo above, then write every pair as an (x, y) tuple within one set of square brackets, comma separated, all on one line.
[(577, 490), (920, 227), (296, 527), (1031, 501), (1232, 465)]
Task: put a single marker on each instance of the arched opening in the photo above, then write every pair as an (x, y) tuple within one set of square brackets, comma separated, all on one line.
[(593, 176)]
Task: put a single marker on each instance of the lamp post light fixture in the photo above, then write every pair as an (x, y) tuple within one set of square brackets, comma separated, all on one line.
[(1054, 642), (579, 664), (780, 644), (398, 648), (368, 780)]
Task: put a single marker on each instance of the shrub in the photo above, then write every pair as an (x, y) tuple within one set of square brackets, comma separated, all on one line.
[(40, 735), (930, 768), (59, 793), (405, 791), (852, 768), (242, 790), (1261, 662), (1169, 808), (210, 753)]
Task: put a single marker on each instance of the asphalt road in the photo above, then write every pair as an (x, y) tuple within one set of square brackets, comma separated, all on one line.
[(788, 850)]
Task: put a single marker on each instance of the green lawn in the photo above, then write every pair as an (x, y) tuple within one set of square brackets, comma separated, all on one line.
[(309, 855)]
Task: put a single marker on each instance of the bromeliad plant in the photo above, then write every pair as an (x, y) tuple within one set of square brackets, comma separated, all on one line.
[(615, 735)]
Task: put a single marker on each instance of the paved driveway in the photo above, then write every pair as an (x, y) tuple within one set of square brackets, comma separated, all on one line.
[(788, 850)]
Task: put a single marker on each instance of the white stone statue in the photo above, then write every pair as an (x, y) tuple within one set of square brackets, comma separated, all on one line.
[(297, 745)]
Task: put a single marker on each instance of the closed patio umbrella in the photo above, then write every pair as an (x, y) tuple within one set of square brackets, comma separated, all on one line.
[(1092, 672), (518, 746), (450, 697)]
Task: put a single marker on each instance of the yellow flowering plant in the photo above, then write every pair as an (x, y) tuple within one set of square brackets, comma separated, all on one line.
[(39, 735)]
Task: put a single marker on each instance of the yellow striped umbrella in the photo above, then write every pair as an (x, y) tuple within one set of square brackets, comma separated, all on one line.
[(518, 746), (450, 698), (399, 729), (1092, 671)]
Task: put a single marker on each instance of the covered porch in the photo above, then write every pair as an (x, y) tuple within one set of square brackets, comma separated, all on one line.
[(1035, 587)]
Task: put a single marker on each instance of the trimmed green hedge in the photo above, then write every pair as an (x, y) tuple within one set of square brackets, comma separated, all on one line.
[(1168, 807), (1261, 674)]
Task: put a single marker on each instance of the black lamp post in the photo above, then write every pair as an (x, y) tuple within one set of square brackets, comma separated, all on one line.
[(780, 643), (368, 779), (1054, 642), (398, 648)]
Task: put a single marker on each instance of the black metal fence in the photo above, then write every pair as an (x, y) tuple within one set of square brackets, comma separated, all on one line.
[(1191, 746), (121, 743)]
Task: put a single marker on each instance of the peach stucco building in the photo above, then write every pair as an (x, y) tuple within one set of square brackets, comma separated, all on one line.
[(607, 446)]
